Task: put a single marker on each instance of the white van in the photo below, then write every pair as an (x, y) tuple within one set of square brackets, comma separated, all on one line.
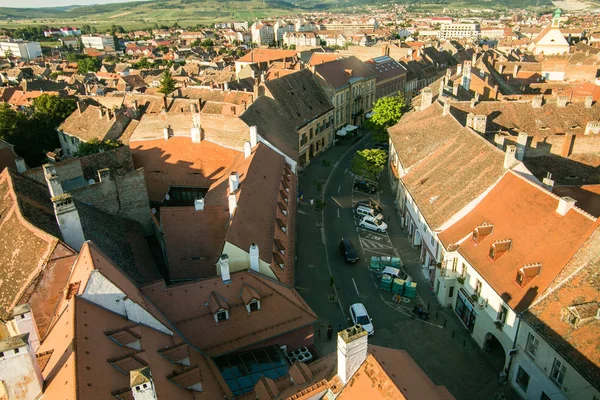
[(364, 211)]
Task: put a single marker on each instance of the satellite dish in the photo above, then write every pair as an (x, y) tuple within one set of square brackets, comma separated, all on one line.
[(167, 197), (153, 210), (91, 181)]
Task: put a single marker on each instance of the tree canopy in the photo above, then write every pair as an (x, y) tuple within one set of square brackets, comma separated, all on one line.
[(96, 146), (88, 64), (386, 112), (167, 83), (369, 163)]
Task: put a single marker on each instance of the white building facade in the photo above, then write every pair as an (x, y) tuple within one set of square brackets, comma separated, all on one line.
[(459, 31), (97, 42), (21, 49)]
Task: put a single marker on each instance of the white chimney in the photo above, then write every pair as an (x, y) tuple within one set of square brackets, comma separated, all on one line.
[(592, 127), (253, 136), (199, 204), (166, 132), (226, 85), (565, 204), (196, 137), (480, 124), (547, 182), (142, 385), (234, 182), (21, 375), (68, 221), (351, 351), (510, 157), (426, 98), (561, 101), (20, 164), (589, 101), (54, 184), (232, 204), (247, 149), (521, 145), (537, 101), (446, 108), (254, 260), (224, 267), (196, 129), (24, 322)]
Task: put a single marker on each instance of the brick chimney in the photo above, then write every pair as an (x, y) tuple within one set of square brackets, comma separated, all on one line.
[(351, 351), (510, 157), (254, 257), (564, 205), (54, 185), (224, 268), (426, 98), (68, 221)]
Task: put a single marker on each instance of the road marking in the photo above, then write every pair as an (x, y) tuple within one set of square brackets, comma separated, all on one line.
[(376, 252), (338, 212), (302, 212), (355, 288), (336, 202), (339, 188)]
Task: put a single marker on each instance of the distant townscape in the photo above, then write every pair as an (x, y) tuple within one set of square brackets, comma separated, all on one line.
[(209, 212)]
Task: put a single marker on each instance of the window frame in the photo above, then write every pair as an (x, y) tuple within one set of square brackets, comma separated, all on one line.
[(521, 373), (532, 344), (222, 313), (558, 372)]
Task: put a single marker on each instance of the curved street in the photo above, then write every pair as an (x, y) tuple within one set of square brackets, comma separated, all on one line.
[(441, 345)]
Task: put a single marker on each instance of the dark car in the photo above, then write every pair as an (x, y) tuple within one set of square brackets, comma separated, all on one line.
[(365, 186), (371, 204), (348, 251)]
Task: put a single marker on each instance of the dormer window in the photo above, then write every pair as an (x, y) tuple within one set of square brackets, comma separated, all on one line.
[(282, 225), (283, 208), (254, 305), (526, 273), (580, 314), (222, 315), (482, 231), (498, 248), (251, 298), (219, 307)]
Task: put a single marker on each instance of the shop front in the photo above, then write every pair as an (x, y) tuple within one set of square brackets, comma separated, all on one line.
[(465, 309)]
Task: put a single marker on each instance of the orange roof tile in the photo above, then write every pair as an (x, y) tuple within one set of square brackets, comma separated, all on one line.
[(587, 196), (371, 382), (526, 214), (265, 55), (281, 310)]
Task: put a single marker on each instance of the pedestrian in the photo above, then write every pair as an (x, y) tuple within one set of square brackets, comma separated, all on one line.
[(312, 202), (397, 299), (329, 332)]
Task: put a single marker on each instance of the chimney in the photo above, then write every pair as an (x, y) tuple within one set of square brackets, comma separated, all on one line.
[(100, 111), (547, 182), (589, 101), (224, 268), (79, 107), (68, 221), (20, 164), (499, 140), (226, 86), (446, 108), (455, 90), (254, 257), (247, 149), (501, 68), (199, 204), (510, 157), (480, 124), (426, 98), (23, 322), (262, 77), (54, 184), (561, 101), (234, 182), (473, 103), (196, 134), (516, 70), (165, 103), (592, 127), (537, 101), (104, 175), (232, 204), (142, 385), (459, 69), (521, 145), (244, 104), (351, 351), (21, 375), (253, 136), (466, 76), (166, 132), (564, 205), (470, 118)]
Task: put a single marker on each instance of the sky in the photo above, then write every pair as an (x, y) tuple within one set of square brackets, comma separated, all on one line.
[(53, 3)]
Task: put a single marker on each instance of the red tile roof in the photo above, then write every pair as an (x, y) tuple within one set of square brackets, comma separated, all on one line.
[(281, 310), (525, 214), (265, 55)]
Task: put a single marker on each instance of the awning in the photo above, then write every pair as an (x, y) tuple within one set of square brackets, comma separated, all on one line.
[(342, 132), (369, 114), (350, 128)]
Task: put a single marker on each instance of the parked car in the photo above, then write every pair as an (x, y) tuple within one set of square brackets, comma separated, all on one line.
[(365, 186), (348, 251), (361, 211), (370, 203), (359, 315), (395, 273), (373, 224)]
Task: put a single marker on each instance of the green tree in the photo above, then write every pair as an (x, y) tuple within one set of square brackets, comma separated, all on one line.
[(96, 146), (167, 83), (388, 110), (88, 64), (368, 163), (52, 110)]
